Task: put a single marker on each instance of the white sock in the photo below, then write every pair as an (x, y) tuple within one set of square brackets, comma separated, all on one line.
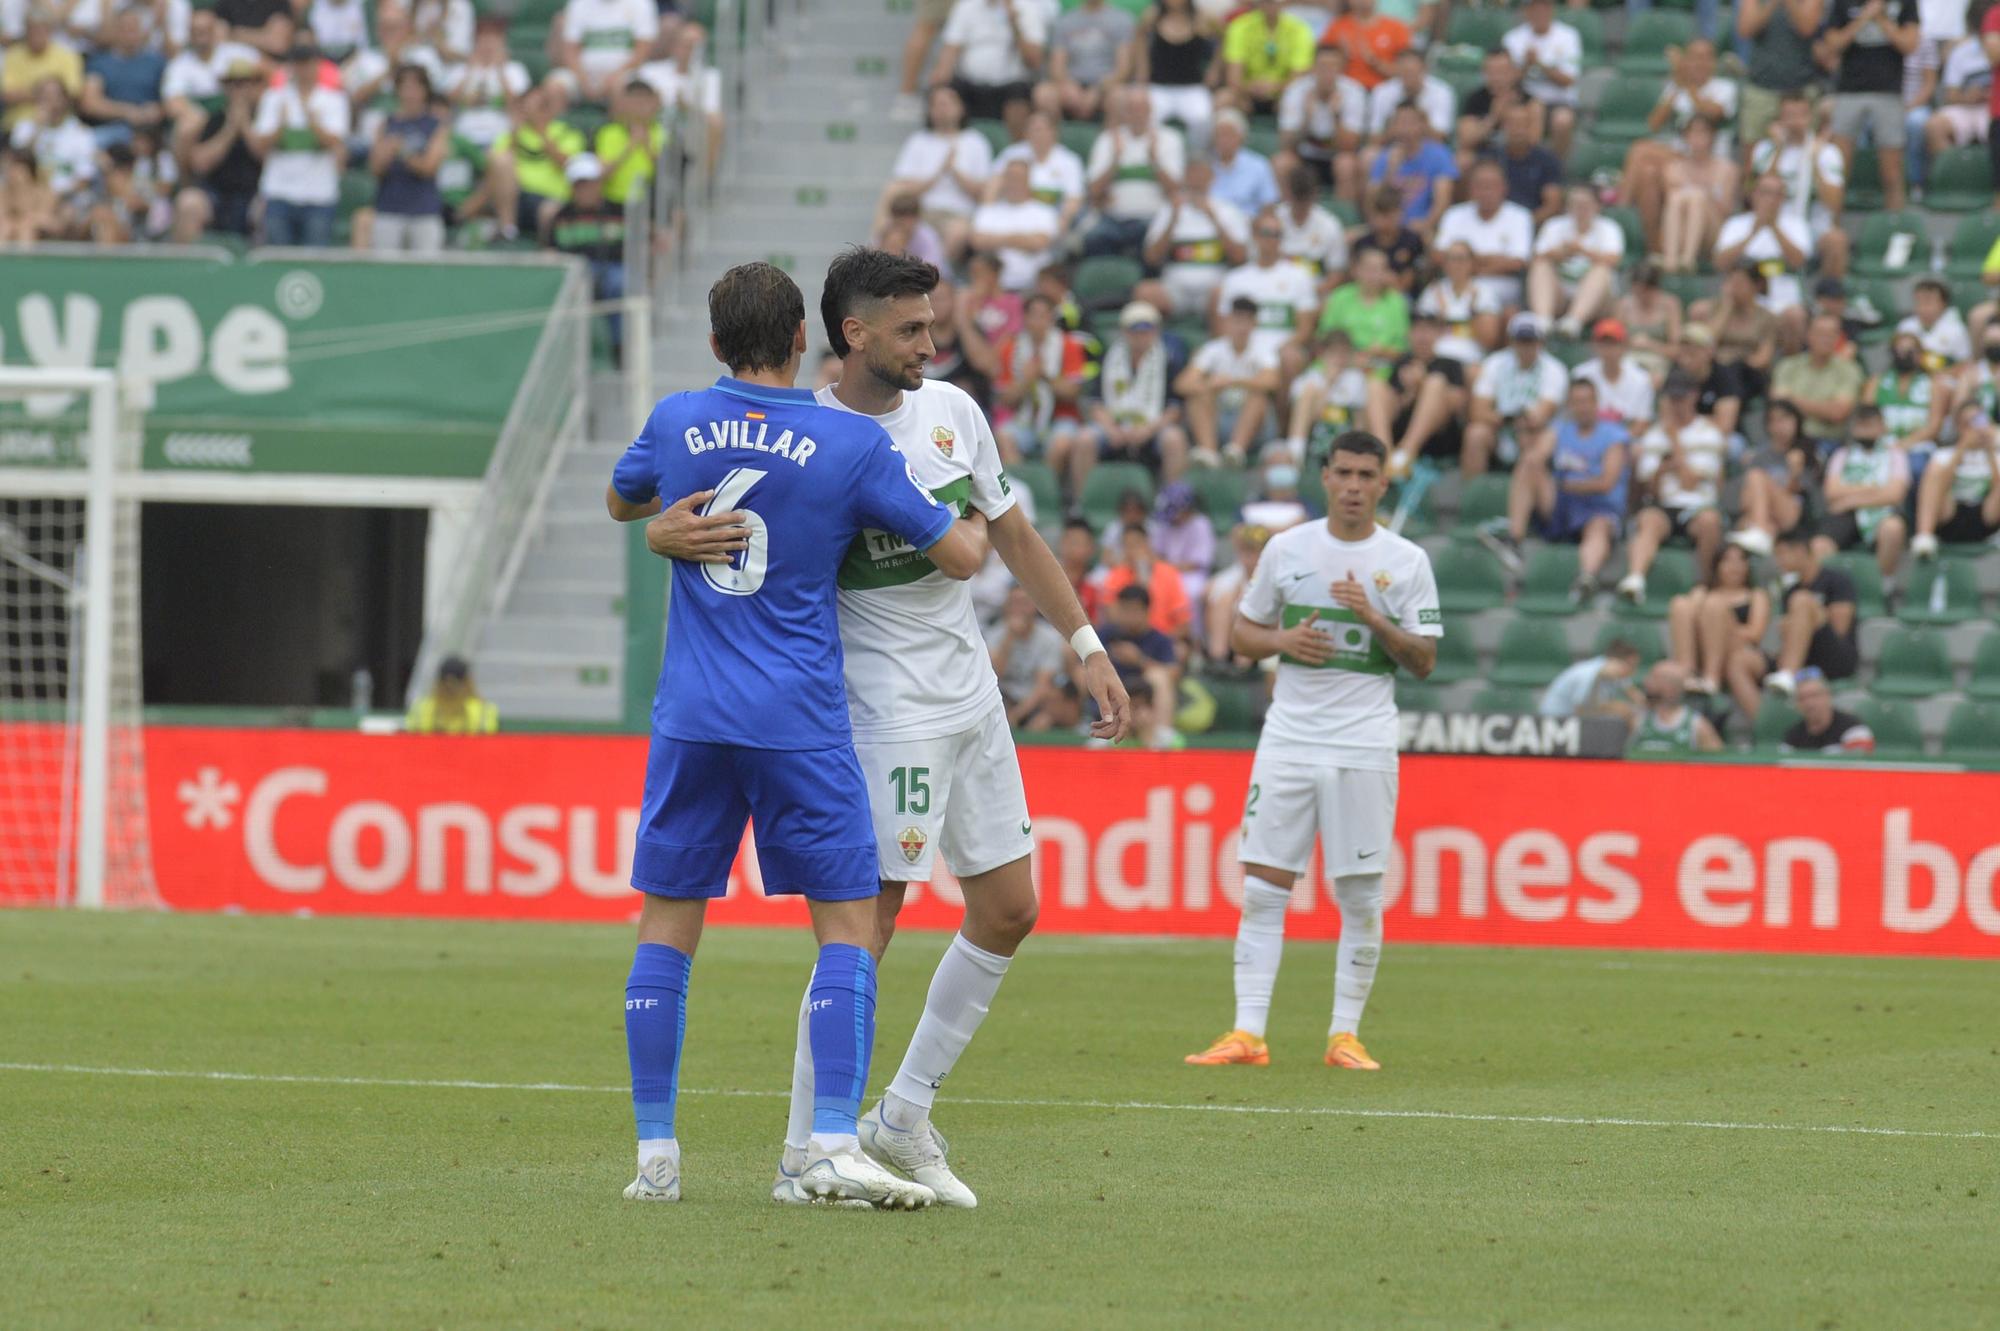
[(960, 993), (1260, 943), (832, 1143), (799, 1124), (1360, 898), (653, 1146)]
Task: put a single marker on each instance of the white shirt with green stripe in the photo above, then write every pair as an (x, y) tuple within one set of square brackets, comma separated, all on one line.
[(1341, 713), (917, 665)]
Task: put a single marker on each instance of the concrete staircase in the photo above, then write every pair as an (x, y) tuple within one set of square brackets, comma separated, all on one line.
[(809, 153)]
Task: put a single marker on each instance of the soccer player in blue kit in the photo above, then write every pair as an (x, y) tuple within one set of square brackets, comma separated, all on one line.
[(750, 719)]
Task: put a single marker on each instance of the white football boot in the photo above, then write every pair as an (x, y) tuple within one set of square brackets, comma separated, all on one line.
[(850, 1175), (919, 1154), (790, 1189), (659, 1178)]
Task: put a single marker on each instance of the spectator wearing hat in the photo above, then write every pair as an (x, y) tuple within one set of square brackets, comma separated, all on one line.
[(1679, 467), (1719, 391), (1322, 119), (1667, 727), (1957, 499), (301, 133), (1811, 166), (453, 705), (1263, 49), (1183, 536), (592, 227), (1746, 333), (1243, 176), (1821, 383), (409, 148), (1938, 328), (1516, 396), (1624, 390), (1598, 685), (1823, 728), (1133, 419), (1576, 260), (222, 172), (1867, 480), (39, 54), (1870, 39), (1778, 242), (1421, 406), (1228, 388), (1855, 317), (1500, 232), (1571, 482), (1817, 619)]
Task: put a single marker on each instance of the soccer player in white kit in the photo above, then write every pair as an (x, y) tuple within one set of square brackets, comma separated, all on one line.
[(930, 729), (1343, 604)]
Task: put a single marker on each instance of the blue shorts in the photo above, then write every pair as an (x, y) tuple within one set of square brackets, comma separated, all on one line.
[(814, 834), (1573, 513)]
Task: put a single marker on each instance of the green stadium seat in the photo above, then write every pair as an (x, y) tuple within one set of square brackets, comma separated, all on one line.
[(1774, 718), (1221, 492), (1546, 581), (1972, 731), (1883, 233), (1913, 663), (1985, 682), (995, 132), (1099, 499), (1971, 240), (1646, 41), (1343, 211), (1468, 579), (1480, 499), (1079, 136), (1105, 282), (1039, 480), (1593, 161), (1312, 487), (1671, 574), (1635, 233), (1649, 639), (1463, 79), (1497, 700), (1872, 306), (1589, 26), (1966, 294), (1946, 592), (1479, 27), (1457, 659), (1621, 116), (1867, 574), (1864, 184), (1897, 734), (1959, 181), (1237, 702), (1691, 287), (1532, 652), (1262, 136)]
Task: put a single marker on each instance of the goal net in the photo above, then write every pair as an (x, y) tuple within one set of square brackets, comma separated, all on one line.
[(73, 825)]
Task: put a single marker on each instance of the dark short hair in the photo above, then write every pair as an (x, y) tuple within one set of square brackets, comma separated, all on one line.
[(637, 86), (906, 205), (1933, 284), (1082, 525), (1385, 199), (408, 70), (454, 667), (1622, 649), (859, 275), (1133, 594), (1580, 381), (1039, 298), (1243, 305), (754, 311), (1781, 407), (1357, 441)]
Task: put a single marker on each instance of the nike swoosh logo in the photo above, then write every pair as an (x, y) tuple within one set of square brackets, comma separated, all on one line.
[(1365, 854), (1026, 828)]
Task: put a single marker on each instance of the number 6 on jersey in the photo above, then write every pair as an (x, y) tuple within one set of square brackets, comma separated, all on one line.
[(744, 574)]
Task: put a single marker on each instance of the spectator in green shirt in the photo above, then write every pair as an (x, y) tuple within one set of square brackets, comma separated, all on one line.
[(526, 175), (1263, 49), (1371, 311), (630, 146), (1823, 385)]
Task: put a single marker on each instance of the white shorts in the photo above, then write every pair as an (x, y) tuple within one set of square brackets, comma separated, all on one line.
[(961, 793), (1352, 811)]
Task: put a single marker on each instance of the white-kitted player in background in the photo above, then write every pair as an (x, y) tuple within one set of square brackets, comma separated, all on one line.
[(1343, 604)]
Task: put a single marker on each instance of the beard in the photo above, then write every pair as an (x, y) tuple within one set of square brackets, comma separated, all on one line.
[(898, 375)]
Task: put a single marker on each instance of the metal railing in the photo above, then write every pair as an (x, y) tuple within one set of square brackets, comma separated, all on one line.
[(547, 417)]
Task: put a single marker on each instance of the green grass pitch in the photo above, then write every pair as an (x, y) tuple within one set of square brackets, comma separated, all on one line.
[(1480, 1181)]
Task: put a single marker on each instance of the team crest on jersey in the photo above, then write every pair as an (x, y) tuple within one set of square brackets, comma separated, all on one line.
[(911, 841), (1382, 581), (943, 437)]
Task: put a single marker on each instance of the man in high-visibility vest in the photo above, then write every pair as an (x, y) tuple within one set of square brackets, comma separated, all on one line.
[(453, 706)]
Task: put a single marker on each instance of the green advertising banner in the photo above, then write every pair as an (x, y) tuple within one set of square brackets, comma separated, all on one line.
[(278, 364)]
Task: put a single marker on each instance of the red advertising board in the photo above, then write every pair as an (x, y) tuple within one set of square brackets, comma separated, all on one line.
[(1488, 850)]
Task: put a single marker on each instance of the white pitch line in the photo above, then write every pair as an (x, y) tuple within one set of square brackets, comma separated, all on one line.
[(1146, 1106)]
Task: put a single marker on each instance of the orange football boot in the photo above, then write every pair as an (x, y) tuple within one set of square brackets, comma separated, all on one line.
[(1233, 1047), (1344, 1051)]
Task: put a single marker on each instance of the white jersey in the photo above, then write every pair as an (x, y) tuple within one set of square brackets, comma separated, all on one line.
[(1342, 713), (917, 664)]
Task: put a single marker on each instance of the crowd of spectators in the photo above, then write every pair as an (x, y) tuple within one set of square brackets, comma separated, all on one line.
[(1199, 235), (396, 126)]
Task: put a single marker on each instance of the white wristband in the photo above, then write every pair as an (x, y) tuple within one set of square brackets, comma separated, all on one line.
[(1085, 641)]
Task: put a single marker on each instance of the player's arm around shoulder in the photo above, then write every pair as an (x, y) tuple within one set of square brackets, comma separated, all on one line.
[(888, 495)]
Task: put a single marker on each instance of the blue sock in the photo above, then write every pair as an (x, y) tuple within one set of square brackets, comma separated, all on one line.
[(842, 1030), (655, 1021)]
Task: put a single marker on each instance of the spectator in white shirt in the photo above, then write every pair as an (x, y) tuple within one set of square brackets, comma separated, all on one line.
[(64, 149), (1518, 392), (1961, 119), (1679, 469), (1576, 257), (1016, 226), (1055, 174), (192, 83), (1321, 118), (1780, 243), (1471, 317), (485, 90), (1194, 239), (447, 27), (1286, 300), (301, 133), (1938, 327), (684, 80), (1624, 389), (1814, 174), (339, 26), (992, 51), (1134, 418), (1550, 57), (1413, 82), (1229, 388), (1314, 238), (1133, 165), (945, 165), (1500, 232), (603, 43)]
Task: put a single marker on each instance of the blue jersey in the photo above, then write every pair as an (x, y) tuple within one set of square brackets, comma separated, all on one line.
[(753, 648)]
